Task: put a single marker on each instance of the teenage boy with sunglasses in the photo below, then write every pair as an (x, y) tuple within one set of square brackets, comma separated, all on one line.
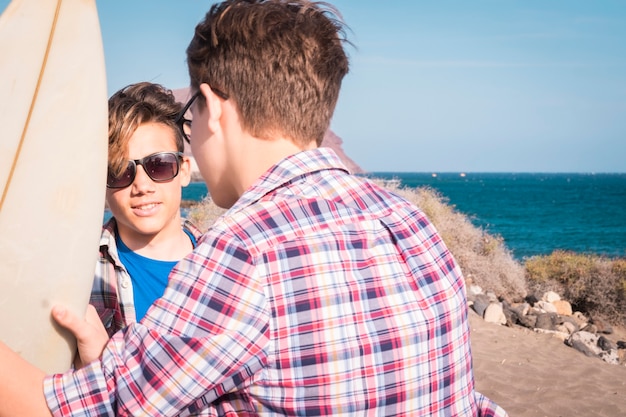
[(317, 293), (144, 239)]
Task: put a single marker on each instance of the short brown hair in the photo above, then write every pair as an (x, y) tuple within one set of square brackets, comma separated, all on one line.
[(133, 106), (281, 61)]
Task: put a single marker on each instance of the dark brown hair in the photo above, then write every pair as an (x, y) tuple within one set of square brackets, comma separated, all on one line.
[(282, 62), (133, 106)]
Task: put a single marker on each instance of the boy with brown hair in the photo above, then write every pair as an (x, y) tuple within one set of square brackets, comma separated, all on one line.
[(318, 292), (146, 236)]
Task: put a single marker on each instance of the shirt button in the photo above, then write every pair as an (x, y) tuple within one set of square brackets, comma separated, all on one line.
[(124, 283)]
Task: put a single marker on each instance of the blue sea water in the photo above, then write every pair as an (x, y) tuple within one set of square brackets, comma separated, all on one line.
[(535, 213)]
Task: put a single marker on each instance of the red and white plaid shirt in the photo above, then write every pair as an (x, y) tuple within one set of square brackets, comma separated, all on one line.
[(318, 293)]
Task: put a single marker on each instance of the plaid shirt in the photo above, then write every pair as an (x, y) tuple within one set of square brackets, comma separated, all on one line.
[(112, 291), (317, 293)]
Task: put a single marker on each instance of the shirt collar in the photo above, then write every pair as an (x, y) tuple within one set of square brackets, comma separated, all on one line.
[(294, 166)]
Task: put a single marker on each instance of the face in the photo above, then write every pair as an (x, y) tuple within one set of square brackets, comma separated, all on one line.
[(148, 210)]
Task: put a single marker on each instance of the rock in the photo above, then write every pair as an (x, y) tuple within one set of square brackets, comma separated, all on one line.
[(605, 344), (582, 348), (493, 298), (506, 299), (564, 308), (474, 290), (515, 313), (590, 328), (546, 306), (602, 326), (531, 299), (512, 318), (521, 309), (546, 321), (570, 327), (550, 297), (550, 315), (584, 342), (495, 314), (570, 321), (481, 301), (331, 140), (529, 321), (561, 328), (610, 356), (580, 318)]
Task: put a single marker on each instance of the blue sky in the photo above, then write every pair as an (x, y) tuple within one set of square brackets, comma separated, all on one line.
[(439, 86)]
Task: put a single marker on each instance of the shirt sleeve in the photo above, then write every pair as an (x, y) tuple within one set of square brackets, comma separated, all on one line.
[(205, 337)]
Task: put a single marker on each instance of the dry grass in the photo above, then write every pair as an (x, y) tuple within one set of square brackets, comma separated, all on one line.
[(204, 213), (593, 284)]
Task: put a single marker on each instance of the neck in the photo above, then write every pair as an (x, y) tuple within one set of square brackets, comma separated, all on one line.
[(169, 244), (259, 155)]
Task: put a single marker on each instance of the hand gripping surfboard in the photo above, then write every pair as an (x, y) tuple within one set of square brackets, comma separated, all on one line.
[(53, 158)]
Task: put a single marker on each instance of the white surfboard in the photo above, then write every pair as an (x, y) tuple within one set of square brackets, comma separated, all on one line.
[(53, 158)]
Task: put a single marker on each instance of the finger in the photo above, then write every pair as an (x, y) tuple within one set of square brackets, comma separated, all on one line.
[(68, 320)]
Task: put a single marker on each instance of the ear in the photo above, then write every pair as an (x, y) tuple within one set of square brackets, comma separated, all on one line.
[(185, 171), (213, 106)]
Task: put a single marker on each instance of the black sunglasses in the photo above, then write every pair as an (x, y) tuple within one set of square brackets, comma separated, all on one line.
[(183, 123), (160, 167)]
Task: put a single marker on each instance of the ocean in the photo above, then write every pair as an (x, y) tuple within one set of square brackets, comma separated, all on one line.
[(535, 213)]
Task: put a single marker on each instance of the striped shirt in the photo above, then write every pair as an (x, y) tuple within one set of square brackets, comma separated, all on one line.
[(317, 293)]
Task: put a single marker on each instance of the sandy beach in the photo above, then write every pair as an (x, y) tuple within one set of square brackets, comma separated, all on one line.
[(532, 374)]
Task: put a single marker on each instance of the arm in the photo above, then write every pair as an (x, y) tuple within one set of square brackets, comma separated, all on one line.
[(23, 395), (21, 386)]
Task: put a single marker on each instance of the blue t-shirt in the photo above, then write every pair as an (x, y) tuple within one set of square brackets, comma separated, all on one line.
[(149, 276)]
